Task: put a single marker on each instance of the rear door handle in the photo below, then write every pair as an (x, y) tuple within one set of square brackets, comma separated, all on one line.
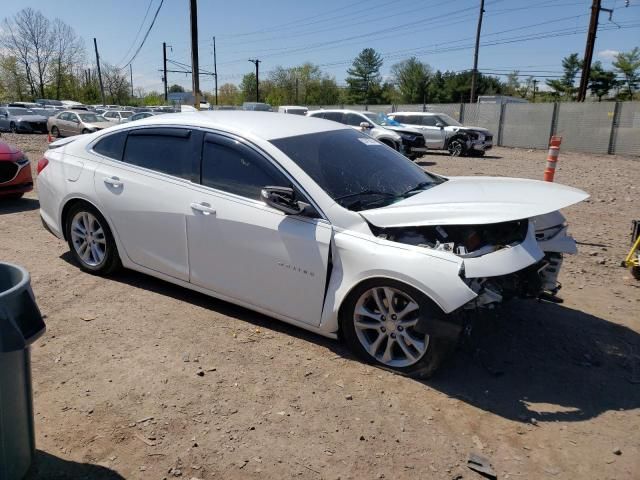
[(203, 208), (113, 181)]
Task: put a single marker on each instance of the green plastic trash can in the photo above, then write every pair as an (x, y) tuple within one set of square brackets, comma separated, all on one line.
[(20, 325)]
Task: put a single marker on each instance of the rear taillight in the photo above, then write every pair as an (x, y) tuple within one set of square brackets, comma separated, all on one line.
[(43, 162)]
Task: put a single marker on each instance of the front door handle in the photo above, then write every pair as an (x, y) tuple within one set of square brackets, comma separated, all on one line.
[(113, 181), (203, 208)]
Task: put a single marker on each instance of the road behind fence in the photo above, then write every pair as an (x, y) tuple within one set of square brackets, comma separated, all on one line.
[(607, 127)]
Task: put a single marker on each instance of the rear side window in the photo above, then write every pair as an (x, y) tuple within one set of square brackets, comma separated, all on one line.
[(112, 146), (165, 150), (235, 168)]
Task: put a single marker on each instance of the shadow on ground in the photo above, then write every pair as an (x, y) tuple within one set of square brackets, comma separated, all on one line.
[(439, 154), (529, 359), (18, 205), (50, 467)]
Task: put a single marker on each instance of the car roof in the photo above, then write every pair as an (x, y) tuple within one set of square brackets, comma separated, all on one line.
[(339, 110), (265, 125)]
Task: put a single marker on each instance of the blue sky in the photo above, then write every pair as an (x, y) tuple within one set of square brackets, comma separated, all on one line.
[(528, 35)]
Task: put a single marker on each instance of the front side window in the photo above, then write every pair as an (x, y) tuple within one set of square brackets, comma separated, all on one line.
[(353, 119), (448, 121), (429, 120), (89, 117), (335, 116), (165, 150), (355, 170), (229, 166)]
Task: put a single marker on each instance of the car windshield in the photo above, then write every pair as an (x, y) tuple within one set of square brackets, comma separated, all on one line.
[(355, 170), (20, 111), (380, 118), (448, 121), (89, 117)]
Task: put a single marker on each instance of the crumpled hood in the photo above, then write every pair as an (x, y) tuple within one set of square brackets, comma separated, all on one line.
[(31, 118), (476, 200), (469, 129)]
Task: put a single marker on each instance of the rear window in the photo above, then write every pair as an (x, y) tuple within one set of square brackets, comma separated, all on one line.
[(112, 146), (165, 150)]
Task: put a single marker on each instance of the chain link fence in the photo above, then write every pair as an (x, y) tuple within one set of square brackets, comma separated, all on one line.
[(603, 127)]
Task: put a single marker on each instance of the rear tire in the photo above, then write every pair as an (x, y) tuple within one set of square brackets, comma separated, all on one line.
[(13, 128), (55, 132), (90, 240), (366, 316)]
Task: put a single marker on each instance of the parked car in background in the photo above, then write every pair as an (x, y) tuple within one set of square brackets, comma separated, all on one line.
[(293, 109), (257, 106), (442, 132), (116, 116), (140, 116), (15, 172), (76, 122), (49, 102), (413, 142), (359, 121), (45, 112), (22, 120), (309, 221)]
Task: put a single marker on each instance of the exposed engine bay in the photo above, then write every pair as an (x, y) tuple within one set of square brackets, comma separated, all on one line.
[(538, 279)]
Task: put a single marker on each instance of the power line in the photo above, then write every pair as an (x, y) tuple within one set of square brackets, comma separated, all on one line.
[(145, 36), (137, 33)]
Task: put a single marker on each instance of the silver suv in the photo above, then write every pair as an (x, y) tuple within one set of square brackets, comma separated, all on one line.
[(442, 132)]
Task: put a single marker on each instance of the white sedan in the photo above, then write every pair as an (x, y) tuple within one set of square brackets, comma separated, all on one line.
[(308, 221)]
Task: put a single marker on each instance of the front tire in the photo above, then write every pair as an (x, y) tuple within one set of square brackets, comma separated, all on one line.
[(457, 147), (378, 321), (55, 132), (90, 240)]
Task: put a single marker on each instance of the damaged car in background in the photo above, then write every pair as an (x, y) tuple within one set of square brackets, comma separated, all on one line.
[(308, 221)]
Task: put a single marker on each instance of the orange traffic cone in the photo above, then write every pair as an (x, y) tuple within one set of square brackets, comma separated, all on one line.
[(552, 158), (49, 139)]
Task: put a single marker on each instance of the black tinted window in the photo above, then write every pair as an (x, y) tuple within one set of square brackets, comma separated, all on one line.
[(429, 121), (237, 169), (112, 146), (335, 116), (166, 150), (353, 119)]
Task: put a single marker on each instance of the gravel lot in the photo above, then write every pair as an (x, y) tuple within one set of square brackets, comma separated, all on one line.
[(543, 390)]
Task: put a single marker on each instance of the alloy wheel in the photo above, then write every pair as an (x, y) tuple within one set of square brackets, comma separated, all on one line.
[(384, 319), (88, 238), (455, 148)]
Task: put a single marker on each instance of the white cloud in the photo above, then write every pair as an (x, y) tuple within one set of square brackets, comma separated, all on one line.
[(608, 54)]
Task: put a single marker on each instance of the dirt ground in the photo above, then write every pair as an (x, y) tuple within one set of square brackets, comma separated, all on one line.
[(543, 390)]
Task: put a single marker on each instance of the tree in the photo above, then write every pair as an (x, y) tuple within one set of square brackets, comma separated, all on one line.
[(411, 76), (175, 88), (513, 82), (364, 76), (571, 65), (116, 84), (601, 81), (248, 88), (629, 65), (228, 94), (68, 52)]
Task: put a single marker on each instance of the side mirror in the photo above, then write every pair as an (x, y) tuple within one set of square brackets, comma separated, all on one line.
[(283, 199), (365, 125), (440, 125)]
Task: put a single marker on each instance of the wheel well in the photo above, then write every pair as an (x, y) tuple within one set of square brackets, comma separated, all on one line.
[(390, 143), (65, 211), (460, 136)]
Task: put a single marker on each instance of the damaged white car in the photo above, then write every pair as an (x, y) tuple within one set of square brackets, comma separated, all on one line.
[(307, 221)]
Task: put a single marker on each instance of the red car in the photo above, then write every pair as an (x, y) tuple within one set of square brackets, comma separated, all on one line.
[(15, 172)]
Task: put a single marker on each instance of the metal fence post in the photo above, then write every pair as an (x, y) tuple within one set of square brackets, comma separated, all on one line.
[(503, 108), (614, 129), (461, 115), (554, 119)]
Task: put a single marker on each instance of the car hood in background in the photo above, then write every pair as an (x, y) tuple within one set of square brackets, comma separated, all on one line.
[(99, 125), (469, 129), (31, 118), (476, 200)]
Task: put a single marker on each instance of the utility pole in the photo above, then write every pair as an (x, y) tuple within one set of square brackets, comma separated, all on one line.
[(474, 73), (535, 87), (588, 51), (256, 62), (195, 68), (215, 69), (164, 68), (131, 77), (95, 44)]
